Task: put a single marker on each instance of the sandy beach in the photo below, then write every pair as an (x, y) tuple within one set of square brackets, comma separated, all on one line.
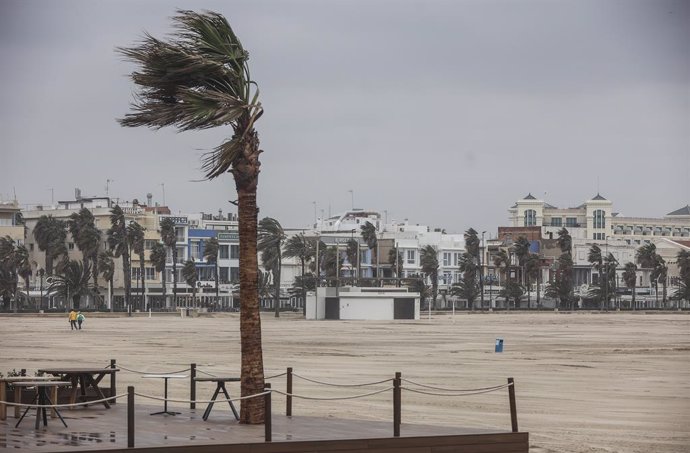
[(585, 382)]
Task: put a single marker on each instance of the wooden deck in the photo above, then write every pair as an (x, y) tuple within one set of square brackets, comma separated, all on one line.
[(94, 429)]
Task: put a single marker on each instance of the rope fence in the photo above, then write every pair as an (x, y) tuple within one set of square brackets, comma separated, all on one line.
[(397, 388)]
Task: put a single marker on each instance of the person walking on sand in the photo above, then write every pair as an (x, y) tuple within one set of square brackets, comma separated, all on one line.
[(80, 319), (73, 320)]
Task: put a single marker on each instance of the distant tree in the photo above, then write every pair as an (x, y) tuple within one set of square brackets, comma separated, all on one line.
[(565, 241), (630, 278), (50, 234), (118, 243), (532, 271), (369, 236), (303, 248), (395, 259), (87, 237), (467, 288), (190, 277), (683, 290), (136, 241), (270, 243), (74, 283), (158, 258), (416, 284), (429, 262), (352, 251), (106, 264), (9, 263), (169, 237), (521, 250), (648, 258), (512, 290)]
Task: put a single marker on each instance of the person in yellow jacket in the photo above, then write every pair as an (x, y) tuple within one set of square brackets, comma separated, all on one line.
[(73, 319)]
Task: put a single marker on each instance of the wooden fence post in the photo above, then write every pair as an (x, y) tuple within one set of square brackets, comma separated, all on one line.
[(513, 408), (397, 403), (268, 435), (130, 417), (113, 383), (192, 386), (288, 398)]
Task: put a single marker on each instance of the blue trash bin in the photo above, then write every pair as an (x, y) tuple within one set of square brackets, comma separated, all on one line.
[(499, 344)]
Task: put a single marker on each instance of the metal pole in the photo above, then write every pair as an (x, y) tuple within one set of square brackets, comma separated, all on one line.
[(192, 386), (513, 408), (113, 386), (288, 390), (481, 273), (267, 414), (318, 278), (397, 404), (130, 417)]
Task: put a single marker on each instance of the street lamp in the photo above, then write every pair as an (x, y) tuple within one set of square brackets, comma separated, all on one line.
[(481, 274)]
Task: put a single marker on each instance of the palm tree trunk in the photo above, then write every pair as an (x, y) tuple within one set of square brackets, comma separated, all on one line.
[(632, 303), (529, 295), (165, 288), (304, 290), (538, 288), (174, 257), (252, 376), (126, 268), (110, 282)]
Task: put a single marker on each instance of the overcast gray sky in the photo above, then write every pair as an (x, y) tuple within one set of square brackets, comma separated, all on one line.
[(443, 112)]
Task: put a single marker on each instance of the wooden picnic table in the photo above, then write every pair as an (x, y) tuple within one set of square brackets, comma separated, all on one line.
[(82, 379)]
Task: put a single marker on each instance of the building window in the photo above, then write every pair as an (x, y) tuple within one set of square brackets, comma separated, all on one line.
[(223, 252), (150, 273), (181, 254), (70, 245), (149, 243), (456, 258), (234, 274), (599, 219), (571, 221), (31, 246), (556, 221), (446, 259), (179, 232), (234, 252), (410, 256), (196, 250), (530, 217), (223, 274)]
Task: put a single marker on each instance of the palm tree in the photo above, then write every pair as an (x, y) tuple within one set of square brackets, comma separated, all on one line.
[(298, 246), (82, 227), (118, 243), (369, 236), (74, 283), (8, 261), (467, 287), (50, 235), (565, 241), (23, 266), (270, 243), (211, 257), (533, 270), (648, 258), (190, 277), (595, 257), (428, 257), (521, 250), (158, 258), (352, 251), (630, 278), (106, 264), (169, 237), (200, 79), (511, 290), (395, 258), (264, 285), (135, 239)]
